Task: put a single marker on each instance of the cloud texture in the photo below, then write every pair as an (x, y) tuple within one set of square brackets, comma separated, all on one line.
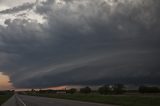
[(82, 42)]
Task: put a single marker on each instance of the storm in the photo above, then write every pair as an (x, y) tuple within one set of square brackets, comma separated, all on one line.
[(45, 43)]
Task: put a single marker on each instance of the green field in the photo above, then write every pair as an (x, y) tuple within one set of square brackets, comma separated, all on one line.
[(4, 98), (122, 100)]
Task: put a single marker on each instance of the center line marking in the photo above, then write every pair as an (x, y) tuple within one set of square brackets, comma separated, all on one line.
[(21, 101)]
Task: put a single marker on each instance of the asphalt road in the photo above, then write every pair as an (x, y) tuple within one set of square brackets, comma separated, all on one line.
[(11, 102), (21, 100)]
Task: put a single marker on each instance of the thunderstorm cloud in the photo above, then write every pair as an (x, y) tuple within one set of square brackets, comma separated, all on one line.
[(80, 42)]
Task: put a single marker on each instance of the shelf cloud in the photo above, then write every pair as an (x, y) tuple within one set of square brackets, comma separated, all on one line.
[(81, 42)]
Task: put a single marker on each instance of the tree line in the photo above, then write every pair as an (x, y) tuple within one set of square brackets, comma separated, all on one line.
[(7, 92), (106, 89), (120, 89)]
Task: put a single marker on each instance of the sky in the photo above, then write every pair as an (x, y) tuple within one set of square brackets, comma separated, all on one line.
[(5, 82), (47, 43)]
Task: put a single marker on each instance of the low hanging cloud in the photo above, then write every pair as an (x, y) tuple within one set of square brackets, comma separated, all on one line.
[(16, 9), (88, 42)]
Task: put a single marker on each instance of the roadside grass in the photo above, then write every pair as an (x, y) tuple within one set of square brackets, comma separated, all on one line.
[(4, 98), (122, 100)]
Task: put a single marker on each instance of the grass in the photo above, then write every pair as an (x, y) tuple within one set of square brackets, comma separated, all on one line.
[(122, 100), (4, 98)]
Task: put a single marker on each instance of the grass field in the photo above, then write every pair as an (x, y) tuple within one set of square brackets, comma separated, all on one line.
[(4, 98), (125, 100)]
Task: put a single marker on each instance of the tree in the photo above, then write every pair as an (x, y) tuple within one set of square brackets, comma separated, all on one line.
[(118, 89), (72, 91), (104, 89), (32, 90), (145, 89), (85, 90)]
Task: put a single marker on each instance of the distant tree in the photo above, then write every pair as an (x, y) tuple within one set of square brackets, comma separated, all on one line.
[(85, 90), (142, 89), (13, 91), (104, 89), (118, 89), (72, 91), (7, 92), (32, 90), (145, 89)]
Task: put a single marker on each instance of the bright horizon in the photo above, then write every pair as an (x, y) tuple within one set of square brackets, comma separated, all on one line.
[(5, 82)]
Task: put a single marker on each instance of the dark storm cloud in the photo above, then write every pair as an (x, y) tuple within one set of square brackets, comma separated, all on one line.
[(84, 42), (16, 9)]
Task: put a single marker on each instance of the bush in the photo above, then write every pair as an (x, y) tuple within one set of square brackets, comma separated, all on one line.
[(85, 90)]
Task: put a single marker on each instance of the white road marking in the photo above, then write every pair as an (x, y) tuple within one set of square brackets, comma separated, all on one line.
[(21, 101)]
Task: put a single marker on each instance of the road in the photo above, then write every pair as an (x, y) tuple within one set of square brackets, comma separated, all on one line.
[(21, 100)]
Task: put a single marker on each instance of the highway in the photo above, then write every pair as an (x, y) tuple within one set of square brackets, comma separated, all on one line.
[(21, 100)]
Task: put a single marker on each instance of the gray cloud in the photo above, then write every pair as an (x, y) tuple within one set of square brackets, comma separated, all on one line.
[(84, 42), (16, 9)]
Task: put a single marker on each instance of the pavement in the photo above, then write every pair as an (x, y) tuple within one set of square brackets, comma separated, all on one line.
[(23, 100)]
